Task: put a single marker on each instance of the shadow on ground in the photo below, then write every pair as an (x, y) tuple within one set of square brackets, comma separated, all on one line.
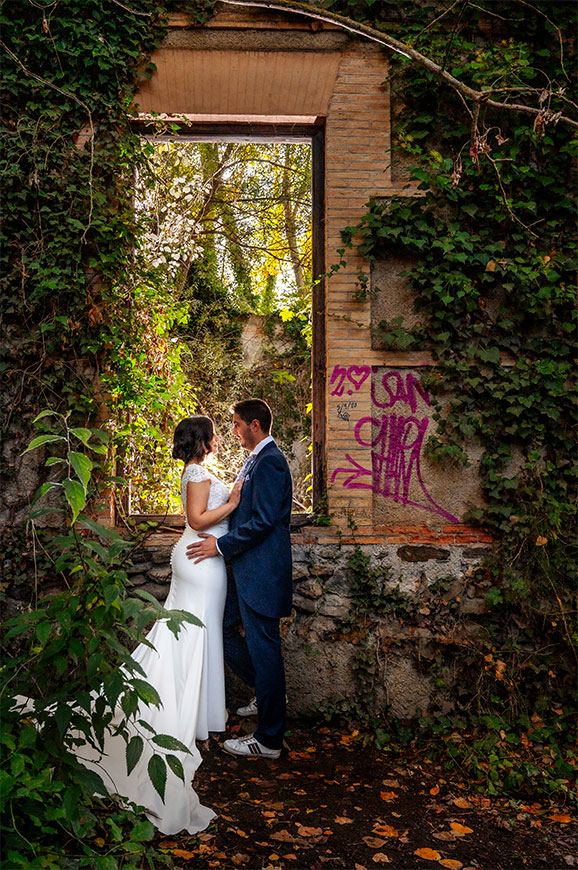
[(331, 801)]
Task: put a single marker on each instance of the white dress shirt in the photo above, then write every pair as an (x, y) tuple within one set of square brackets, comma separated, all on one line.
[(254, 452)]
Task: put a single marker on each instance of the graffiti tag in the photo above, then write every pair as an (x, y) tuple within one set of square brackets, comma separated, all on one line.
[(352, 376), (396, 441)]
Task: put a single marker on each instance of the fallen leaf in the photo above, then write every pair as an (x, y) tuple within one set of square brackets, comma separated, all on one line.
[(269, 814), (387, 795), (562, 818), (385, 830), (462, 803), (239, 832), (309, 832), (283, 837), (290, 857), (428, 854), (451, 863), (360, 867), (460, 830), (182, 853), (447, 836), (373, 842), (240, 858), (380, 858), (391, 783), (435, 790), (343, 820)]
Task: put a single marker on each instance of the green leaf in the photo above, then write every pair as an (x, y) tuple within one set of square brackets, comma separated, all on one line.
[(142, 832), (44, 414), (82, 433), (175, 765), (165, 741), (43, 632), (158, 773), (102, 531), (82, 466), (42, 439), (134, 749), (54, 460), (50, 484), (75, 495), (146, 692)]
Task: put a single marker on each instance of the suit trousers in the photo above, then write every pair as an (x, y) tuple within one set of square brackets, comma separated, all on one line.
[(257, 659)]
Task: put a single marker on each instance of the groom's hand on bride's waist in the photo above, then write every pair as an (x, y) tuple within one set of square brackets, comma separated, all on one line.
[(204, 549)]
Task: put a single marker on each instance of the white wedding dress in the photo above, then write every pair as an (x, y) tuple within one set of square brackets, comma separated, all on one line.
[(188, 674)]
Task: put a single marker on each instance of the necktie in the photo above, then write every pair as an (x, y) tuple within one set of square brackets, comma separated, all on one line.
[(249, 462)]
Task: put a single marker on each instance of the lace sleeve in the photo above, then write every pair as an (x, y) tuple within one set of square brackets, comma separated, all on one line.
[(195, 474)]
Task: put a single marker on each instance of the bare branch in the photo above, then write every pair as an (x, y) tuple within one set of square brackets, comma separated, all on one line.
[(399, 47)]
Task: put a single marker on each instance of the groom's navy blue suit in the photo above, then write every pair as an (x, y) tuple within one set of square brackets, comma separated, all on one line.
[(258, 548)]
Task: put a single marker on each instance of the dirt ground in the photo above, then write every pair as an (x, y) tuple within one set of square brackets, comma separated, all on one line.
[(332, 802)]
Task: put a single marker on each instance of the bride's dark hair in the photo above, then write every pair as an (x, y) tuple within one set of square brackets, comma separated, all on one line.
[(192, 438)]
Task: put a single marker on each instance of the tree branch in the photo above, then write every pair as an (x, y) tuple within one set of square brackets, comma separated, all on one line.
[(399, 47)]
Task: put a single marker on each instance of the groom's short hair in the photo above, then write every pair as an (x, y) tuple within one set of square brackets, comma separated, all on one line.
[(254, 409)]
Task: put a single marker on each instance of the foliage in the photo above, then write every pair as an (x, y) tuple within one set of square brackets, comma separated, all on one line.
[(491, 240), (67, 672), (228, 227)]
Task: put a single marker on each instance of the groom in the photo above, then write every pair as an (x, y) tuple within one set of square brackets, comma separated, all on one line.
[(258, 549)]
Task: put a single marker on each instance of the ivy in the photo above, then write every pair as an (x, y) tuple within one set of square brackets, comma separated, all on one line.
[(492, 241)]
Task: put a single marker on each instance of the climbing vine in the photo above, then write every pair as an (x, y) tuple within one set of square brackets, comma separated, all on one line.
[(491, 241)]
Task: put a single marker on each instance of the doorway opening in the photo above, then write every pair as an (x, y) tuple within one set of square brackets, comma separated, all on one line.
[(233, 221)]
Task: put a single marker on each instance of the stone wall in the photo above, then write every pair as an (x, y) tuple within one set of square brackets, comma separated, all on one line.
[(434, 602)]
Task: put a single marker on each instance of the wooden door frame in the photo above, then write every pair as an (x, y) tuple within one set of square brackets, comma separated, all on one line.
[(272, 132)]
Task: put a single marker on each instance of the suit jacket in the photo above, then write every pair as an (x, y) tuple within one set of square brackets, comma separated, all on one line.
[(258, 543)]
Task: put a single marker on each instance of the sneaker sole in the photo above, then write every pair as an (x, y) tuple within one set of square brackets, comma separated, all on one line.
[(251, 756)]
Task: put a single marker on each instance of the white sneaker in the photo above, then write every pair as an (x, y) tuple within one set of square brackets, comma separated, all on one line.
[(250, 709), (249, 747)]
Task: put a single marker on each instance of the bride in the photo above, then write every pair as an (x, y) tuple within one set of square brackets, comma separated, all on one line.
[(187, 671)]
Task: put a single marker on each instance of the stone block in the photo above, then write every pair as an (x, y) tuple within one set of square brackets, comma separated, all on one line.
[(422, 553), (475, 552), (159, 591), (322, 569), (300, 572), (137, 579), (310, 589), (335, 606), (139, 568), (160, 575)]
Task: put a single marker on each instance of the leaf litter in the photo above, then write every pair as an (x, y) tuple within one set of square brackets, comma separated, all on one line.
[(334, 800)]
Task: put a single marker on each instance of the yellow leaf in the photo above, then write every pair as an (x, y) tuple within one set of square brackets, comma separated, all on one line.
[(343, 820), (183, 853), (428, 854), (491, 266), (451, 863), (460, 830), (387, 795), (99, 841), (562, 818), (541, 541), (385, 830), (380, 858), (435, 790)]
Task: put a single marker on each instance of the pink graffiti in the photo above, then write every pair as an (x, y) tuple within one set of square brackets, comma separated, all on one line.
[(356, 375), (400, 391), (396, 443)]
